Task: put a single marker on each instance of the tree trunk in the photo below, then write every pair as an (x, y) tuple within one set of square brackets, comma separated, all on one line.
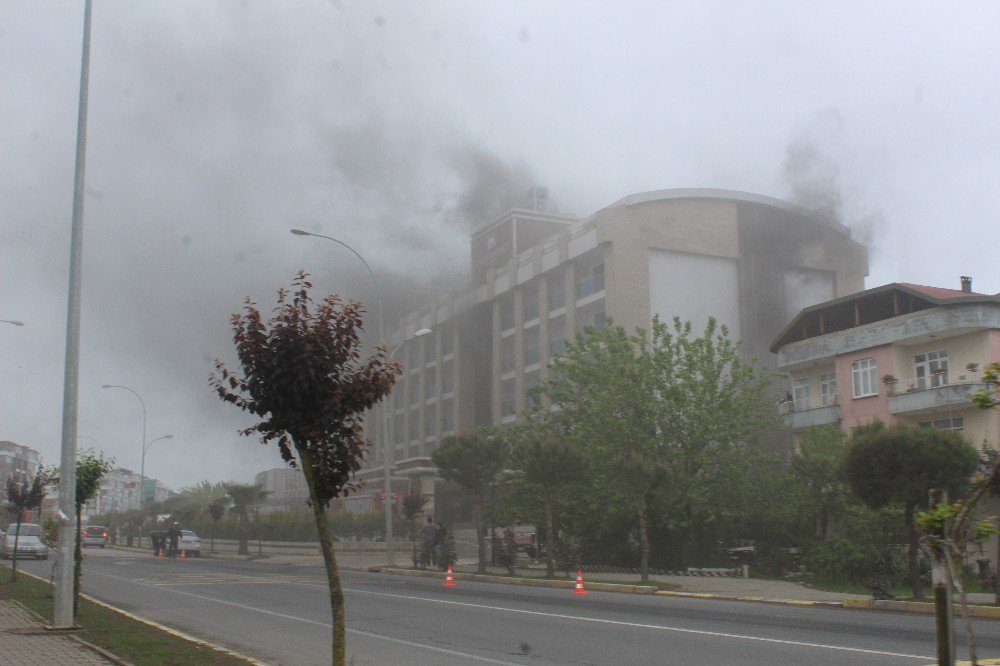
[(244, 547), (77, 561), (643, 540), (339, 644), (477, 518), (911, 554), (13, 561), (550, 566)]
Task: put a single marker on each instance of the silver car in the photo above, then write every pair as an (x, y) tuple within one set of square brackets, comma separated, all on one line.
[(29, 542)]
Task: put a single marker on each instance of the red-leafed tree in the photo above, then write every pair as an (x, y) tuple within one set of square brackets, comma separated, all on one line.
[(302, 374)]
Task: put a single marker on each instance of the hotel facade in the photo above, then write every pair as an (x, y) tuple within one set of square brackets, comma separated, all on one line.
[(538, 278)]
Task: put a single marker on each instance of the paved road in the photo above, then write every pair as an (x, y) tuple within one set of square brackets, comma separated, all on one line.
[(280, 615)]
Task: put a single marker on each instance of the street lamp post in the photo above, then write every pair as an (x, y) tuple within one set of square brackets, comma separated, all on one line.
[(389, 449), (143, 443), (387, 481), (142, 469)]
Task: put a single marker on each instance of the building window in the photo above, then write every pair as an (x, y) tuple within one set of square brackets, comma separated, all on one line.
[(530, 305), (828, 389), (447, 342), (800, 393), (865, 375), (508, 363), (557, 346), (592, 283), (557, 295), (531, 355), (952, 423), (932, 369)]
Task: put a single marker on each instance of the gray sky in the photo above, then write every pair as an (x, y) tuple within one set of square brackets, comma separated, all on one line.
[(398, 126)]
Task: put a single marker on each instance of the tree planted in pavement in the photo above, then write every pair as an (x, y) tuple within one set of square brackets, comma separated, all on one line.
[(662, 416), (242, 497), (899, 464), (547, 463), (302, 375), (473, 462), (22, 496)]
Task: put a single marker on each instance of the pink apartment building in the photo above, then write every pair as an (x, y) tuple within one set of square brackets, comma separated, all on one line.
[(900, 353)]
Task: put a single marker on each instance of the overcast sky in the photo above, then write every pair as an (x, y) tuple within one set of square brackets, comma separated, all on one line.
[(398, 126)]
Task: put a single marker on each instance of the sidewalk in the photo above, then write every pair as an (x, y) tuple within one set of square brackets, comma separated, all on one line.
[(25, 641)]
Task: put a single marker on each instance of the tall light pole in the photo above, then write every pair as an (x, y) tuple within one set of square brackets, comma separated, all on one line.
[(62, 615), (387, 481), (389, 449), (142, 470), (142, 444)]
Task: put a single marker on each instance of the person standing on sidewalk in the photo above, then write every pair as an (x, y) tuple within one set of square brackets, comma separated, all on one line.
[(174, 537), (429, 535)]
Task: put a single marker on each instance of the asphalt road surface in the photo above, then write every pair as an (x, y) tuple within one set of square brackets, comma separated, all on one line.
[(280, 614)]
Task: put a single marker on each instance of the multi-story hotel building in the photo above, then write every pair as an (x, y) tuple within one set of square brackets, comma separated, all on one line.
[(16, 461), (538, 278), (900, 353)]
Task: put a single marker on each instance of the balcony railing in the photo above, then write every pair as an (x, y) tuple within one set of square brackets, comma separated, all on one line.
[(591, 285), (930, 398)]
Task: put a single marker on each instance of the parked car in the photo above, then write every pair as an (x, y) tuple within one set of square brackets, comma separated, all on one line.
[(190, 544), (29, 542), (95, 535)]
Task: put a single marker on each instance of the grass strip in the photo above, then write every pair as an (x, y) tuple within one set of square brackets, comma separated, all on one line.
[(130, 639)]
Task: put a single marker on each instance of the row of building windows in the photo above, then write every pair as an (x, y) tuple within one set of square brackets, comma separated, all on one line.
[(930, 368)]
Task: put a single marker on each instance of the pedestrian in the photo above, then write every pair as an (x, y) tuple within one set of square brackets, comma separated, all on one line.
[(440, 534), (174, 536), (429, 534)]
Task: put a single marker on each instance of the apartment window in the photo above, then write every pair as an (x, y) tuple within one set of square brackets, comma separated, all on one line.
[(828, 389), (430, 379), (865, 375), (800, 393), (557, 346), (414, 391), (557, 294), (508, 363), (931, 368), (600, 319), (447, 382), (592, 283), (530, 305), (447, 342), (506, 315), (952, 423), (531, 355)]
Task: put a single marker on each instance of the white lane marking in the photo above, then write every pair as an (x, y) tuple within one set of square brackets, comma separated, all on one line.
[(699, 632), (455, 653), (327, 625)]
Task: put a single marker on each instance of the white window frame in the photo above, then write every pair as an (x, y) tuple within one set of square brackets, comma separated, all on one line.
[(931, 368), (800, 393), (828, 389), (864, 373)]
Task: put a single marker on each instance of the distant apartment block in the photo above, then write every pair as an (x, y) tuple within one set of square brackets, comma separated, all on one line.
[(286, 489), (17, 461), (538, 278), (900, 353)]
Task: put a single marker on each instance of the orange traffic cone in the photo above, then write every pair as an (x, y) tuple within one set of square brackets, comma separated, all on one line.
[(579, 583), (449, 580), (183, 555)]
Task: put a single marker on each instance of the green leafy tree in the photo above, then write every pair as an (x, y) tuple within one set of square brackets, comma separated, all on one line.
[(816, 468), (547, 464), (663, 416), (217, 509), (473, 462), (242, 497), (23, 496), (412, 506), (91, 467), (302, 374), (900, 464)]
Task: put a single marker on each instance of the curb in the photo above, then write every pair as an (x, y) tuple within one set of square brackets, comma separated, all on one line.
[(156, 625), (981, 612), (508, 580)]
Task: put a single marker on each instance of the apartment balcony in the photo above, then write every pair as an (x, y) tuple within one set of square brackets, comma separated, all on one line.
[(916, 398), (797, 419)]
